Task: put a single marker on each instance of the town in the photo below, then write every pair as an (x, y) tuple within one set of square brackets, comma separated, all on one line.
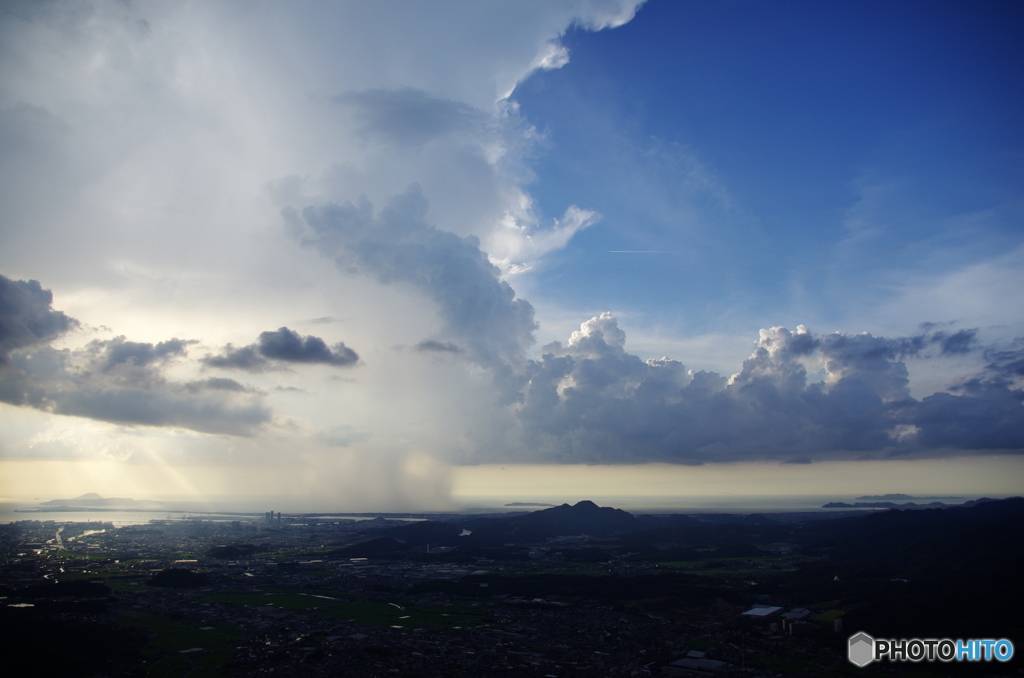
[(442, 595)]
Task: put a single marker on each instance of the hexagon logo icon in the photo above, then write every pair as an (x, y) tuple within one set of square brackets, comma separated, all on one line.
[(861, 651)]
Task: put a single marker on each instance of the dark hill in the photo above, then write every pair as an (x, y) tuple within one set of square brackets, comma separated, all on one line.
[(565, 520), (886, 529), (939, 545), (585, 517), (921, 573)]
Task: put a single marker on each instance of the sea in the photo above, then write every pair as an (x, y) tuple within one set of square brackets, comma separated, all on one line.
[(664, 505), (11, 512), (14, 511)]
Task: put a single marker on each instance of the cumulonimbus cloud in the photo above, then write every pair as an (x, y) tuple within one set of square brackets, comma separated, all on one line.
[(592, 401)]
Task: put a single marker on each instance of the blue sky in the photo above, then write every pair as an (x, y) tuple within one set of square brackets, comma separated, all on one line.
[(798, 161), (341, 252)]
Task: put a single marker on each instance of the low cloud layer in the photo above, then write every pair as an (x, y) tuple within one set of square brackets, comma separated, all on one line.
[(798, 398), (275, 349), (112, 380), (592, 401)]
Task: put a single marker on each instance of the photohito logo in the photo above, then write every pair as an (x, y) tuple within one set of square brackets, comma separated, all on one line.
[(863, 649)]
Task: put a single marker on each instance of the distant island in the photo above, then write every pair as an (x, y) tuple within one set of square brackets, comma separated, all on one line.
[(907, 505), (95, 501), (907, 497), (527, 503)]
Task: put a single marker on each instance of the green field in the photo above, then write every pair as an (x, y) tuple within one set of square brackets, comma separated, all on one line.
[(168, 637), (364, 612), (829, 616), (127, 584)]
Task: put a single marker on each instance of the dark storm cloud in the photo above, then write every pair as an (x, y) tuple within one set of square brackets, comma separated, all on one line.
[(167, 407), (432, 346), (957, 343), (1007, 362), (397, 245), (113, 380), (245, 358), (284, 346), (66, 382), (120, 351), (121, 362), (217, 384), (27, 317), (980, 415), (984, 412)]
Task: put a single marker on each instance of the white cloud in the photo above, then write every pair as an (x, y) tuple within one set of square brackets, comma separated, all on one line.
[(591, 401), (517, 247), (555, 55)]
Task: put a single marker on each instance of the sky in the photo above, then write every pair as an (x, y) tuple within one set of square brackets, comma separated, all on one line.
[(403, 255)]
